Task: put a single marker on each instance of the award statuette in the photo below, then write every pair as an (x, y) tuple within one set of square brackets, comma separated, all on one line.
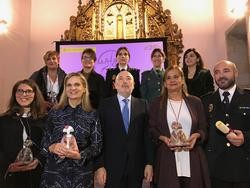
[(178, 137), (25, 154), (68, 136)]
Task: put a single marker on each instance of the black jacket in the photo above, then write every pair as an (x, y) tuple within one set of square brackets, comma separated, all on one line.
[(227, 162)]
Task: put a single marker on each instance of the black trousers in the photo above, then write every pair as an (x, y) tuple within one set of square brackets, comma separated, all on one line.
[(216, 183)]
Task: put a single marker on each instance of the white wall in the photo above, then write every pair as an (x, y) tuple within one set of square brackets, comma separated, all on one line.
[(14, 48)]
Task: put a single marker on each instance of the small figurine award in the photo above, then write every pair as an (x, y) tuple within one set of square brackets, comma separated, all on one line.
[(68, 136), (178, 137), (25, 154)]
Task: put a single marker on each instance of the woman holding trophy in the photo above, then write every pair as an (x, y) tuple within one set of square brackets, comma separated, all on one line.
[(178, 126), (72, 138), (21, 131)]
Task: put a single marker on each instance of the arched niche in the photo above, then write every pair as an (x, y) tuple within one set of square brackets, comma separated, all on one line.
[(121, 19)]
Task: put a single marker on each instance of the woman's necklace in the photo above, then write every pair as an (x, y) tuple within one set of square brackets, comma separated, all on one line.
[(178, 137), (176, 115), (26, 129)]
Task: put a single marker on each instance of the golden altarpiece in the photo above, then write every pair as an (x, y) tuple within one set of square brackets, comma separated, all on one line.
[(125, 19)]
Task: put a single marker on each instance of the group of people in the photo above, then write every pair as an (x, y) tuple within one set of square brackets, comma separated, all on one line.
[(82, 127)]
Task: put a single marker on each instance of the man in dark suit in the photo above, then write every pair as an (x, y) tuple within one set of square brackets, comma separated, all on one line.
[(228, 154), (96, 83), (122, 58), (127, 154)]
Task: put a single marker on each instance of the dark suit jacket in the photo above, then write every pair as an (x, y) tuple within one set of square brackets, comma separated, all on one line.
[(97, 88), (151, 85), (228, 163), (124, 153), (165, 169), (110, 79), (201, 84)]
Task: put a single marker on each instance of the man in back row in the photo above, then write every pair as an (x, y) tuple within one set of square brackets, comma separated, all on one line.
[(228, 154)]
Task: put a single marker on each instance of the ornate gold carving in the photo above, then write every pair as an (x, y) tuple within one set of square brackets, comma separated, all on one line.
[(125, 19)]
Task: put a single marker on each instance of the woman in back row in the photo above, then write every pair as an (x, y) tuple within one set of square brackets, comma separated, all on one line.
[(198, 79)]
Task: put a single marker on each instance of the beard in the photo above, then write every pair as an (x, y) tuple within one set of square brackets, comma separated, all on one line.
[(225, 83)]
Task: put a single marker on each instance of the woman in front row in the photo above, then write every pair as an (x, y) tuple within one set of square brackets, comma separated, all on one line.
[(70, 157), (23, 122), (178, 126)]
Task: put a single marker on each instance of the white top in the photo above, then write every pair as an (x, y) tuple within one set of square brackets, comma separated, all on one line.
[(182, 158), (52, 86), (122, 104)]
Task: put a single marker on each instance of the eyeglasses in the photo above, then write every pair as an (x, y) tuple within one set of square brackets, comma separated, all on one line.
[(28, 92)]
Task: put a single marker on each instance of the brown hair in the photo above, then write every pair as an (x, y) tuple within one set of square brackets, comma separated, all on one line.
[(49, 54), (37, 107), (90, 52), (200, 63), (122, 48), (158, 50), (164, 91)]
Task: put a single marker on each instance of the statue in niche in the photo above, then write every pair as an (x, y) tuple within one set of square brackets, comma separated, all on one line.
[(119, 31)]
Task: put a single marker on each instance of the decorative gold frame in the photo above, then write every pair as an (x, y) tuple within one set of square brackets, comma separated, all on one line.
[(125, 19)]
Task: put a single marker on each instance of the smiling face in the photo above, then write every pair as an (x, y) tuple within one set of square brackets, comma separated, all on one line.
[(174, 81), (191, 59), (87, 62), (24, 95), (75, 89), (157, 60), (124, 83), (52, 62), (225, 73)]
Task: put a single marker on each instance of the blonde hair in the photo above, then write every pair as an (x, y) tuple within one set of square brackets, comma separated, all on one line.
[(85, 97)]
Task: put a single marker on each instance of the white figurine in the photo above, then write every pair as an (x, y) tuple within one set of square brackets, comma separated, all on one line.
[(68, 130)]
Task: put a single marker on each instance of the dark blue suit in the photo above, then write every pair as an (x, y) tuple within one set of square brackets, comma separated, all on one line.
[(228, 163), (124, 155)]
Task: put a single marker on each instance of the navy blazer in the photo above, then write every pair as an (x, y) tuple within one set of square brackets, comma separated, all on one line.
[(124, 153), (228, 162)]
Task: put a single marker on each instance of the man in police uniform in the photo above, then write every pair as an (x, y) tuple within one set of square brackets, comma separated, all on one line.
[(228, 154)]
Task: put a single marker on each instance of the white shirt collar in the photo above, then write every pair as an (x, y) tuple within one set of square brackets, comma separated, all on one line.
[(231, 91), (120, 98), (125, 68)]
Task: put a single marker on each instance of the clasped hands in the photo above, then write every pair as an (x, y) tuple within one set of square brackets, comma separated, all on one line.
[(189, 145), (19, 166), (62, 151)]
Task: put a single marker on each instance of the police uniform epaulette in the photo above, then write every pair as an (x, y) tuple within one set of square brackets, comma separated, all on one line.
[(207, 94)]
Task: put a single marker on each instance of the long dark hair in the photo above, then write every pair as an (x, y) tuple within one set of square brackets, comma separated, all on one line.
[(199, 65), (37, 107), (122, 48)]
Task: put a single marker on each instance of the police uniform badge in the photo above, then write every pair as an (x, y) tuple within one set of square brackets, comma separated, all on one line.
[(210, 107)]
